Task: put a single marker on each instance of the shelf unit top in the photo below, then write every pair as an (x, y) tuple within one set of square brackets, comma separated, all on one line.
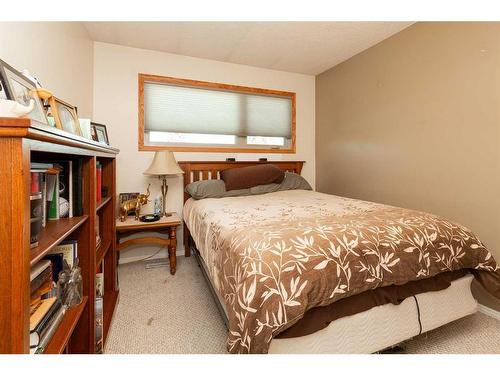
[(33, 130)]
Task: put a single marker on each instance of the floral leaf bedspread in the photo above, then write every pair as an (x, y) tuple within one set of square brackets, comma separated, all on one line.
[(271, 257)]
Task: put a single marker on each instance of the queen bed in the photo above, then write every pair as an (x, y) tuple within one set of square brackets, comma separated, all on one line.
[(297, 271)]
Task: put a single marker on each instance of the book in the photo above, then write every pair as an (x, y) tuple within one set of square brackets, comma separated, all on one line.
[(35, 182), (68, 249), (53, 213), (39, 331), (42, 169), (41, 166), (99, 283), (42, 310), (43, 292), (37, 317), (50, 330), (38, 268), (57, 264), (52, 196), (39, 280), (36, 216), (77, 178), (98, 181), (98, 324), (44, 199)]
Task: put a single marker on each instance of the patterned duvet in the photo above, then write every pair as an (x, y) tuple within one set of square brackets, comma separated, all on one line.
[(272, 257)]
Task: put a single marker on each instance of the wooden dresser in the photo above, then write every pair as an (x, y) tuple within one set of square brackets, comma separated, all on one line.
[(23, 141)]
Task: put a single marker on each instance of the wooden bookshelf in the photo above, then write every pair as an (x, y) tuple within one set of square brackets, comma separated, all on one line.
[(23, 141)]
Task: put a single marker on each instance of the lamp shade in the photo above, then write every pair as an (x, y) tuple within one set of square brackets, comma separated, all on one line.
[(163, 164)]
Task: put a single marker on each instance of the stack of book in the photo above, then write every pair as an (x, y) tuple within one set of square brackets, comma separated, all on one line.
[(37, 207), (44, 323), (56, 192), (41, 283), (46, 310), (48, 176)]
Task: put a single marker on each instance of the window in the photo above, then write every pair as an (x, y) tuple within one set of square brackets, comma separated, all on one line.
[(185, 115)]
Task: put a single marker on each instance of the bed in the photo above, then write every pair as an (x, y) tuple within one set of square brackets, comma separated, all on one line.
[(273, 259)]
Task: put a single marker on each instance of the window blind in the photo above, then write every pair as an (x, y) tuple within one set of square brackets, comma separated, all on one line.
[(183, 109)]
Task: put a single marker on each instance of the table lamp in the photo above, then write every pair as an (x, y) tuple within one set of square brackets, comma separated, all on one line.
[(163, 165)]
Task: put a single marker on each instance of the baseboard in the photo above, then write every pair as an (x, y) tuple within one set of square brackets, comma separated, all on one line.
[(489, 311)]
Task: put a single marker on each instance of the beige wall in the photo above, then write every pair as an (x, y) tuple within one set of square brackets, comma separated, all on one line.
[(115, 104), (415, 122), (59, 54)]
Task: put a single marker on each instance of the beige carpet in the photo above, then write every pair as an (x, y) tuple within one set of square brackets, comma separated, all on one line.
[(161, 313)]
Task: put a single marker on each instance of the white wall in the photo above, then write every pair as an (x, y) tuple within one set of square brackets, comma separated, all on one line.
[(115, 104), (59, 54)]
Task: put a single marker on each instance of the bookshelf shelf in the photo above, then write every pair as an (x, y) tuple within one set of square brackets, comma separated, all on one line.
[(102, 250), (55, 232), (102, 203), (61, 337)]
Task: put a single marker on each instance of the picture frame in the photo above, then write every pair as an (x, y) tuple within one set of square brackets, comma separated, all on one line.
[(65, 115), (16, 86), (3, 92), (99, 133), (85, 126)]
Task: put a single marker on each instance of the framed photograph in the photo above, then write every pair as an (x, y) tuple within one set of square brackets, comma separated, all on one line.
[(85, 126), (65, 116), (99, 133), (15, 86)]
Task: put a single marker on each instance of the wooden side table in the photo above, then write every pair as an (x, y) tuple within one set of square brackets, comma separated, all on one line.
[(165, 224)]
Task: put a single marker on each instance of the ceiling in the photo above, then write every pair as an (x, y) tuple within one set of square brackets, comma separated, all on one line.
[(301, 47)]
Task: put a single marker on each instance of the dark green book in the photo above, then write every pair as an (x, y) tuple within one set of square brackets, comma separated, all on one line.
[(54, 204)]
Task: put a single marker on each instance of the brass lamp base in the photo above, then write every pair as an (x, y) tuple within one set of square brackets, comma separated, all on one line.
[(164, 189)]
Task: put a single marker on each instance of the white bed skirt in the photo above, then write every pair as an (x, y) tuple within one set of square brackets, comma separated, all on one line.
[(384, 326)]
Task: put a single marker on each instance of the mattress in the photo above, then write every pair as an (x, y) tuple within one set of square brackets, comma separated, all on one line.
[(384, 326)]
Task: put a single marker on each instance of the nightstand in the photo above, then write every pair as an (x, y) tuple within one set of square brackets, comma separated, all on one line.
[(166, 225)]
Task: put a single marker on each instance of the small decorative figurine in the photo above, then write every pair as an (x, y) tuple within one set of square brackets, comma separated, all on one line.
[(69, 284), (134, 205), (158, 205), (11, 108)]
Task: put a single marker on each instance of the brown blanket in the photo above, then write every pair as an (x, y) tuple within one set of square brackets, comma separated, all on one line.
[(273, 257)]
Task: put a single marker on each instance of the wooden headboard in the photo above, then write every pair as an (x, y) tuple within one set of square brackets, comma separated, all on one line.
[(210, 170)]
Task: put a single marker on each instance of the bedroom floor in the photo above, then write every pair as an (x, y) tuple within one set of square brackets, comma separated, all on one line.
[(161, 313)]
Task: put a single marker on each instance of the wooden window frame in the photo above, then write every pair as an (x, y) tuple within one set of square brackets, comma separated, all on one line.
[(217, 86)]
